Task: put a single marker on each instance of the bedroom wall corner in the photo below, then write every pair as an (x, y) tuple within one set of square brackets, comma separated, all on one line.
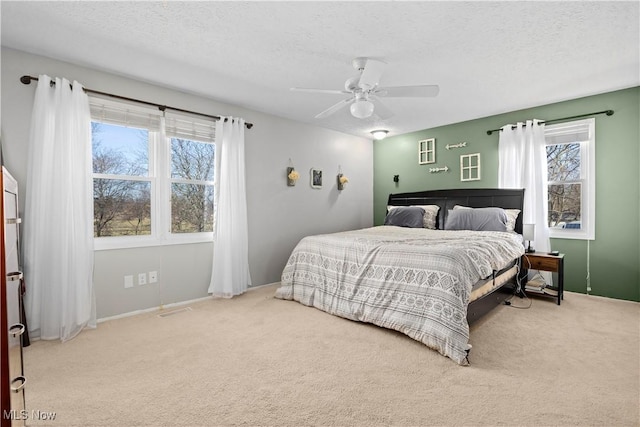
[(614, 257), (279, 216)]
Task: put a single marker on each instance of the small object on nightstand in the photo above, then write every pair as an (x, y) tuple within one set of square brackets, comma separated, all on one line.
[(528, 233), (554, 253), (543, 261)]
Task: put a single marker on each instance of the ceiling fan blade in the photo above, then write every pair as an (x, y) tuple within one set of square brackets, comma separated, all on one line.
[(380, 109), (420, 91), (371, 74), (334, 108), (330, 91)]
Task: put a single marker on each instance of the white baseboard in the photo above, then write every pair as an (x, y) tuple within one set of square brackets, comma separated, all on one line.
[(175, 304), (262, 286), (149, 310)]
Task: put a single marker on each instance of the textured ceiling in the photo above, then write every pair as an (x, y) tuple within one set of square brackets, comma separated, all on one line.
[(487, 57)]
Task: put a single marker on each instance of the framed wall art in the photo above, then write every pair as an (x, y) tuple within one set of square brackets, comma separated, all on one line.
[(470, 167), (316, 178), (427, 151)]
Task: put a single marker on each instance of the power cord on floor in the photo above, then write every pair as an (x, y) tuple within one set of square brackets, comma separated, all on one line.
[(518, 291), (508, 302)]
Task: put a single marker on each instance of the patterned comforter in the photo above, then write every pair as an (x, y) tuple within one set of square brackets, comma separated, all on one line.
[(415, 281)]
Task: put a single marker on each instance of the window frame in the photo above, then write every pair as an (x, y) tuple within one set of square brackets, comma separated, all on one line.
[(159, 175), (587, 180)]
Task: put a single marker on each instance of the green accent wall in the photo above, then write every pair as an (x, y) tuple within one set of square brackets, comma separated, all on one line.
[(614, 267)]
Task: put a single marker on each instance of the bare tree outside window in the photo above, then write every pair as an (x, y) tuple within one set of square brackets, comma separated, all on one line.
[(192, 194), (570, 149), (127, 188), (121, 207), (565, 188)]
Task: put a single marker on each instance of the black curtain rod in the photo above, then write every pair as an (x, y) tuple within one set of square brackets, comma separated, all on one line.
[(607, 112), (28, 79)]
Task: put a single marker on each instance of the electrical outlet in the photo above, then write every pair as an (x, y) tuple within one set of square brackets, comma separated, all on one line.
[(153, 276), (142, 279), (128, 281)]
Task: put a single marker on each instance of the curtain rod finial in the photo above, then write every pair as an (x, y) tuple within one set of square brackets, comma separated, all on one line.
[(489, 132), (25, 80)]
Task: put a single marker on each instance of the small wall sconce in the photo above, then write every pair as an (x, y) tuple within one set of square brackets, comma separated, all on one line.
[(342, 180), (396, 178), (292, 174)]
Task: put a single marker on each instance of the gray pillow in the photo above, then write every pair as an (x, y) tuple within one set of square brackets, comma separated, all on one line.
[(479, 219), (430, 214), (405, 217), (512, 216)]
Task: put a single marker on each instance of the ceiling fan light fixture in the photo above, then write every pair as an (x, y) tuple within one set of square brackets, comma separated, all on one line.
[(365, 92), (362, 109), (379, 134)]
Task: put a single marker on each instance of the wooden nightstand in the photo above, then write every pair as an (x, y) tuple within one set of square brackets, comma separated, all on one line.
[(544, 262)]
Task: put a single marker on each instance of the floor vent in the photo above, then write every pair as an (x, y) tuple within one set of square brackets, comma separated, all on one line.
[(171, 313)]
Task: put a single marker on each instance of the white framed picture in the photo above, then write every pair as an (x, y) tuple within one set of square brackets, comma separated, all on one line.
[(427, 151), (316, 178), (470, 167)]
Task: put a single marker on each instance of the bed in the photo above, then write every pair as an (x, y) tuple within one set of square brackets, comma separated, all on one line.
[(425, 273)]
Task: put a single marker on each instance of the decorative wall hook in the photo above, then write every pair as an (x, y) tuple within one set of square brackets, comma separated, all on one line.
[(460, 145), (443, 169), (396, 178)]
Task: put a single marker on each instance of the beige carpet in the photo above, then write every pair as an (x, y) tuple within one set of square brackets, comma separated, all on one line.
[(256, 360)]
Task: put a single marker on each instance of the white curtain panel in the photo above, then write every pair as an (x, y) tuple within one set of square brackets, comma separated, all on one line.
[(58, 227), (230, 273), (523, 164)]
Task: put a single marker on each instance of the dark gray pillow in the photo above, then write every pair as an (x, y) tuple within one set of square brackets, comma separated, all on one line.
[(479, 219), (405, 217)]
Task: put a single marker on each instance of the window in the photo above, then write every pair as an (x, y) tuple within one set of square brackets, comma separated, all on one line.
[(153, 184), (571, 179), (121, 182), (191, 186)]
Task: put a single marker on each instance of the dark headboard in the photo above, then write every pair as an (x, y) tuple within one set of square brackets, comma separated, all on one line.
[(472, 197)]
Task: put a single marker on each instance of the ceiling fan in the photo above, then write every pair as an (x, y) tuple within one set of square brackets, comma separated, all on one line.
[(364, 92)]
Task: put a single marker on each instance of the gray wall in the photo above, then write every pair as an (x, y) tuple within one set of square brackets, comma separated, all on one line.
[(279, 216)]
